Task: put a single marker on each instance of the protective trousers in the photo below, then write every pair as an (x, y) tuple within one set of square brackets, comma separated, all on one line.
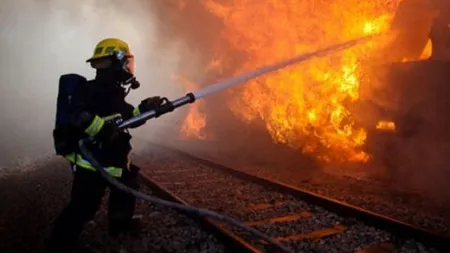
[(87, 192)]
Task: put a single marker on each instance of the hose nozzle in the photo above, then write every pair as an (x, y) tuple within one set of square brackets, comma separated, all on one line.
[(166, 107)]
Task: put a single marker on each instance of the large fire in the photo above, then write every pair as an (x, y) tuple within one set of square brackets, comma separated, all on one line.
[(302, 106)]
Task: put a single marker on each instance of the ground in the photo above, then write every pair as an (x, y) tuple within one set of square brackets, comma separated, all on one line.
[(31, 198), (29, 201)]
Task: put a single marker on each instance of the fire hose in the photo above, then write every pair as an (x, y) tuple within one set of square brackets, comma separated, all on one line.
[(170, 106)]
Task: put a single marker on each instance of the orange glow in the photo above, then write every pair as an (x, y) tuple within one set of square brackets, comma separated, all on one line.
[(427, 51), (193, 124), (386, 125), (195, 121), (305, 106)]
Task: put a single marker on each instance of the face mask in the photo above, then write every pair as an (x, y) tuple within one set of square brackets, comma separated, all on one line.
[(127, 70)]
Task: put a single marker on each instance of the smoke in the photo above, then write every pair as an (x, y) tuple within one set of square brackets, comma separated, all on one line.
[(416, 155), (417, 162), (198, 34), (40, 40), (414, 95)]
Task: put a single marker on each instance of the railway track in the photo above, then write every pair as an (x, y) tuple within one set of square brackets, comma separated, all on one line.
[(303, 221)]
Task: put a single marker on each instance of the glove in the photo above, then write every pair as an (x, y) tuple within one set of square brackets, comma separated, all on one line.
[(150, 103)]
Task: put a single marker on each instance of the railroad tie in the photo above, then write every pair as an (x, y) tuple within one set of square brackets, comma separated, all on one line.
[(286, 218), (314, 235), (264, 206)]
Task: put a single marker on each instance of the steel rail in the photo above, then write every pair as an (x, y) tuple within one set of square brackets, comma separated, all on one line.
[(398, 228), (229, 239)]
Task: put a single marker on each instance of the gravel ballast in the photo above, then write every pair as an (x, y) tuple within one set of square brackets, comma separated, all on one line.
[(31, 199), (163, 230), (210, 188), (375, 194)]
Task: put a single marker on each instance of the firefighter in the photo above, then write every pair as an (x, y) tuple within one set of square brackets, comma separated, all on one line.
[(99, 103)]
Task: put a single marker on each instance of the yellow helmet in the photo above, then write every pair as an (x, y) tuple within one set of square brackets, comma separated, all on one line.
[(108, 47)]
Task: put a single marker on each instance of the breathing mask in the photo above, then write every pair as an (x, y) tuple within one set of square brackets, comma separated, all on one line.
[(125, 70)]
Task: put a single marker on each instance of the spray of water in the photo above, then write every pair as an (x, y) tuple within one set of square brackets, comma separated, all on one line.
[(228, 83), (215, 88)]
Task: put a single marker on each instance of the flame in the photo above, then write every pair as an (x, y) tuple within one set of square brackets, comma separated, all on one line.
[(386, 125), (193, 124), (428, 50), (426, 54), (195, 121), (305, 106)]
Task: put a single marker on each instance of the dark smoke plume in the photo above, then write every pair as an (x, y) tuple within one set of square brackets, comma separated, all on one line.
[(418, 162)]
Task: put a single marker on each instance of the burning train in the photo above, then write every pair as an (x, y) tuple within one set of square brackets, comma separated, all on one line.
[(350, 106)]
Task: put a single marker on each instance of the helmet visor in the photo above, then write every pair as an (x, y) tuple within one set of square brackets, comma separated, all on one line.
[(129, 65)]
